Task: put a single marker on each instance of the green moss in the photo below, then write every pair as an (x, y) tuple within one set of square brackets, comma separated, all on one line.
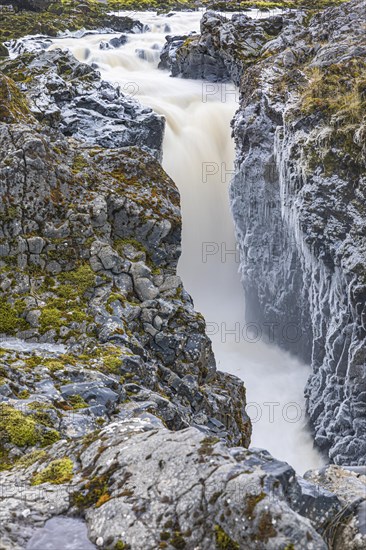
[(13, 105), (112, 364), (10, 320), (17, 428), (82, 278), (93, 493), (177, 540), (80, 162), (77, 402), (51, 318), (57, 472), (30, 458), (120, 545), (53, 365), (50, 437), (223, 541), (24, 394)]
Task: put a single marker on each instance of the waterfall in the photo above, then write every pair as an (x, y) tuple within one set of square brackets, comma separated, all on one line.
[(198, 155)]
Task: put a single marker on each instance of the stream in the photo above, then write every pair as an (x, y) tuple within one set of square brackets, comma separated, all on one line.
[(199, 155)]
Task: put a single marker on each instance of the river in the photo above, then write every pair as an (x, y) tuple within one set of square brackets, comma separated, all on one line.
[(198, 155)]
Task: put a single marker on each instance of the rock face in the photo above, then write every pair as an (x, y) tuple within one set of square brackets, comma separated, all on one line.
[(71, 96), (116, 413), (224, 48), (298, 201), (140, 486), (298, 196)]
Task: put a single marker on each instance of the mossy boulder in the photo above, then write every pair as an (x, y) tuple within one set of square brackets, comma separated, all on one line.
[(13, 104)]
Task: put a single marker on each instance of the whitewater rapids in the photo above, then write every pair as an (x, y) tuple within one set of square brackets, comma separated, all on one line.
[(199, 156)]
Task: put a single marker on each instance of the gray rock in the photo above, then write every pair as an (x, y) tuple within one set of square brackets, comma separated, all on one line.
[(93, 393)]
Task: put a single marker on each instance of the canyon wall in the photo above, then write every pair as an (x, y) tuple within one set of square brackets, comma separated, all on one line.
[(298, 196)]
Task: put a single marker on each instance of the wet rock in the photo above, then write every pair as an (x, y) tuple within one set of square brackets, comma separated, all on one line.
[(203, 484), (115, 42), (291, 195), (75, 99)]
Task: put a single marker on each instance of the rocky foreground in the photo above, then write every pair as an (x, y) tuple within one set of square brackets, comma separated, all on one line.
[(116, 414)]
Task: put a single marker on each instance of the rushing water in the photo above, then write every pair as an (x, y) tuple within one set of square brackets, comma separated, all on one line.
[(198, 155)]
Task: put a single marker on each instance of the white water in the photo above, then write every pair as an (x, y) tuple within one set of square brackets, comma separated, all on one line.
[(198, 140)]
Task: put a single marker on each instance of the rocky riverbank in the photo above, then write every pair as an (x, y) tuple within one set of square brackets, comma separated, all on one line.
[(116, 414), (299, 192)]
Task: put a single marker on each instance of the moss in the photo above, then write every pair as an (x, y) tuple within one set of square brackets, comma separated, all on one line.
[(206, 445), (77, 402), (102, 500), (93, 493), (57, 472), (112, 364), (82, 278), (53, 365), (11, 321), (13, 105), (251, 502), (51, 318), (120, 545), (17, 428), (24, 394), (223, 541), (50, 437), (30, 458), (177, 540), (79, 163), (265, 529)]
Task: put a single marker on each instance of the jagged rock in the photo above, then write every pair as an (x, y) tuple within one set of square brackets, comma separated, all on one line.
[(349, 485), (224, 48), (298, 195), (183, 488), (115, 42), (88, 236), (71, 96)]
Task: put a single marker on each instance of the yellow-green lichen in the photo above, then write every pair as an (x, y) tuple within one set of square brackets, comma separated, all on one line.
[(223, 540), (57, 472)]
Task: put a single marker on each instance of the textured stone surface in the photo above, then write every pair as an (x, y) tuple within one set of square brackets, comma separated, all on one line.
[(224, 48), (298, 197), (142, 485), (70, 96)]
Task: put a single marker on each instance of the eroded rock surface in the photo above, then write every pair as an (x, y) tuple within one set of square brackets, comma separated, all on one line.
[(298, 195), (72, 97), (138, 484)]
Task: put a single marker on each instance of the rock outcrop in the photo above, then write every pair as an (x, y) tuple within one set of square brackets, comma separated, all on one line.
[(140, 486), (71, 96), (298, 196)]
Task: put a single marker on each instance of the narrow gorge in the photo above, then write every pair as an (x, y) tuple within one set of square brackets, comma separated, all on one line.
[(182, 292)]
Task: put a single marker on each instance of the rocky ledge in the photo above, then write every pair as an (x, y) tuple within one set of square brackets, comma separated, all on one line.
[(298, 196), (138, 485)]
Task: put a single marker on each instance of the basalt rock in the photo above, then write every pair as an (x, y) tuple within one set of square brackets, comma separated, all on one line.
[(72, 97), (224, 48), (298, 196), (139, 485), (298, 201), (89, 244)]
